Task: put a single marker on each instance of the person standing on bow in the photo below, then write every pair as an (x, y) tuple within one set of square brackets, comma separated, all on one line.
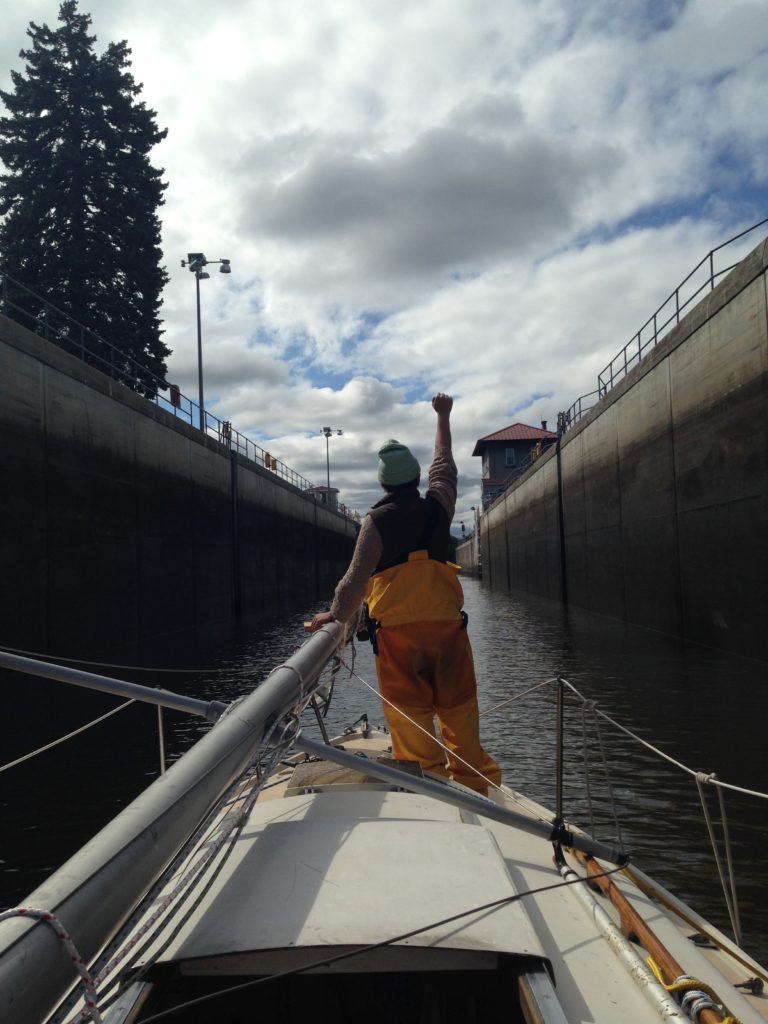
[(414, 600)]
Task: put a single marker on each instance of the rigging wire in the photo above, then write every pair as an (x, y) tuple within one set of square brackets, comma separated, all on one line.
[(226, 847), (106, 664), (592, 706), (729, 891), (690, 771), (61, 739), (205, 835), (351, 954), (517, 696), (426, 732), (700, 777)]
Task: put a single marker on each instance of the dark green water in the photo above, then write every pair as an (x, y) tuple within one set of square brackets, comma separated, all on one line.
[(705, 709)]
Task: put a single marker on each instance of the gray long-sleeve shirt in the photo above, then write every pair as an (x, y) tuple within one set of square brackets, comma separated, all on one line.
[(351, 588)]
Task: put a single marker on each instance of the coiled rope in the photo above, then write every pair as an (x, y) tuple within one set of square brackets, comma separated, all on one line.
[(694, 996)]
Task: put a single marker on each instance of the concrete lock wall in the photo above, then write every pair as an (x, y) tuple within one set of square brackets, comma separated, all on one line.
[(663, 486), (124, 531)]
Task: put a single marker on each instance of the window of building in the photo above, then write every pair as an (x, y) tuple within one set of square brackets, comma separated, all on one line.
[(509, 457)]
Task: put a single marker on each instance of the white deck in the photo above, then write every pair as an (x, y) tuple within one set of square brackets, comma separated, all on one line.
[(320, 878), (344, 867)]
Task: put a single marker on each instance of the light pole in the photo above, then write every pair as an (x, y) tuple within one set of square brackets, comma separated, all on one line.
[(327, 431), (477, 539), (197, 263)]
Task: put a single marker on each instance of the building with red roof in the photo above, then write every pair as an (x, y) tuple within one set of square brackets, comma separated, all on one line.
[(509, 452)]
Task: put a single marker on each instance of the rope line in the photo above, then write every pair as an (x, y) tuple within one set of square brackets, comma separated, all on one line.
[(608, 783), (351, 954), (711, 779), (432, 736), (518, 696), (61, 739), (106, 664), (729, 861), (211, 844), (86, 981), (585, 757), (729, 891), (695, 995)]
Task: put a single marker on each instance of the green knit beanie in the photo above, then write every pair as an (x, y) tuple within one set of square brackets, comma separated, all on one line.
[(396, 464)]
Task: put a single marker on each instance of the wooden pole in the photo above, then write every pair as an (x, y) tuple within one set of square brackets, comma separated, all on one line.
[(633, 924)]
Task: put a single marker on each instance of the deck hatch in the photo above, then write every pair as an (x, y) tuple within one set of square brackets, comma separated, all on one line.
[(291, 883)]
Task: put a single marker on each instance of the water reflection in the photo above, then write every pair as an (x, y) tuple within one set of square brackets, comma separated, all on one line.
[(704, 708)]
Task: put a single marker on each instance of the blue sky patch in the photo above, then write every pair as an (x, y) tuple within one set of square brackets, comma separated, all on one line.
[(528, 402)]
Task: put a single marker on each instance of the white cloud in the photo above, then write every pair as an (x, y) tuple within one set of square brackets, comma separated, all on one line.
[(476, 197)]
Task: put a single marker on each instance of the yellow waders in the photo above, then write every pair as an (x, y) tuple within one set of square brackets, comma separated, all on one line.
[(425, 668)]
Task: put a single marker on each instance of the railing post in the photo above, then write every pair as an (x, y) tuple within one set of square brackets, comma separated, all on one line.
[(712, 270), (559, 753), (161, 737)]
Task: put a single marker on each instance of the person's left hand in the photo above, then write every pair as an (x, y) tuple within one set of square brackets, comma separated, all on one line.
[(320, 620), (442, 404)]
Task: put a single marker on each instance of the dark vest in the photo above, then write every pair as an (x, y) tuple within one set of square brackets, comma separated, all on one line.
[(407, 522)]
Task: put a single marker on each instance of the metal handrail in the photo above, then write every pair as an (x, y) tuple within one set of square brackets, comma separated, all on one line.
[(47, 320), (653, 330)]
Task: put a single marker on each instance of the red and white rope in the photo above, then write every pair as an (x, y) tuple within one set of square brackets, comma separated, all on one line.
[(86, 981)]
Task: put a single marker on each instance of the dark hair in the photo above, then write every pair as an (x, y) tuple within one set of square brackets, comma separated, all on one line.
[(407, 486)]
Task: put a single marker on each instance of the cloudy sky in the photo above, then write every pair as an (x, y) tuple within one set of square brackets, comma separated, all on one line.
[(483, 197)]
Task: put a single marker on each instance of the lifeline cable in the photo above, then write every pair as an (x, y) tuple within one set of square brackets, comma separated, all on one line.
[(61, 739), (690, 771), (106, 664), (192, 871), (431, 735), (225, 849), (518, 696), (372, 946)]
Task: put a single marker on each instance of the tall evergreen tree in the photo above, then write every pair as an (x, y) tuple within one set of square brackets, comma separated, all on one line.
[(79, 196)]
